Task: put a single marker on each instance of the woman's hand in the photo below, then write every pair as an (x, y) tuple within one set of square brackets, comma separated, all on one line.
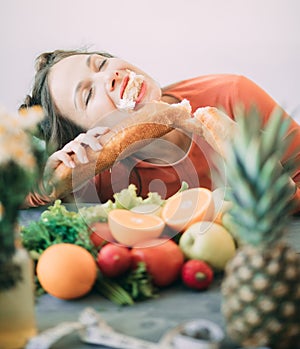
[(92, 139), (71, 155), (217, 128)]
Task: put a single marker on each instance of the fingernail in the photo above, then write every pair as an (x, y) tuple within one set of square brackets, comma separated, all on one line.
[(85, 160), (72, 164)]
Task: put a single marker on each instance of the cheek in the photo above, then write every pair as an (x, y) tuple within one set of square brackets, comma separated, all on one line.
[(100, 113), (157, 92)]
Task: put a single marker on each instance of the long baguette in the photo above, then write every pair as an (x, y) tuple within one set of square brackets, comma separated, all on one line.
[(152, 121)]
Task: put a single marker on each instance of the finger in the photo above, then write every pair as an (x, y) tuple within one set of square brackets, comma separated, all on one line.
[(78, 149), (79, 138), (98, 131), (66, 159), (91, 141), (61, 156)]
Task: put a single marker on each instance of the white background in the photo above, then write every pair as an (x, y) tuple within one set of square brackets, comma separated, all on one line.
[(169, 39)]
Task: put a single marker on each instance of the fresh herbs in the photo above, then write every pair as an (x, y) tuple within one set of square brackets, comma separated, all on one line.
[(56, 225), (135, 285), (111, 290), (138, 283)]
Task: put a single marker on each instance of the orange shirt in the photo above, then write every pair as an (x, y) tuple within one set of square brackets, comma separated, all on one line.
[(196, 167)]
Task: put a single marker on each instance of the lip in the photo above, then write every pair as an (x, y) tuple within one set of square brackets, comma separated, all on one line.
[(123, 85), (142, 92)]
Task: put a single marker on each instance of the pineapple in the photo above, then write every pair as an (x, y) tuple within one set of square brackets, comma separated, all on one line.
[(261, 286)]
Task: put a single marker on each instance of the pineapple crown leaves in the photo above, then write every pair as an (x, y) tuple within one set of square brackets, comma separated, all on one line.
[(261, 189)]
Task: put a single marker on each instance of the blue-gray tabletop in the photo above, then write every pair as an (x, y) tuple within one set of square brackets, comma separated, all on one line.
[(148, 320)]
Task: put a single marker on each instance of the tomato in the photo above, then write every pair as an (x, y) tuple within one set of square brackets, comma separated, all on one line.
[(163, 259), (113, 260)]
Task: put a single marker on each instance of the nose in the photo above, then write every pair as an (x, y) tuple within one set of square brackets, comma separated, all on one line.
[(114, 80)]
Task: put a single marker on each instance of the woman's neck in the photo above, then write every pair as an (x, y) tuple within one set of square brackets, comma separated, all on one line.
[(169, 99)]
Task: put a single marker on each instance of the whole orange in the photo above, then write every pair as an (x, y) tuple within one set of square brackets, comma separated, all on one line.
[(66, 271)]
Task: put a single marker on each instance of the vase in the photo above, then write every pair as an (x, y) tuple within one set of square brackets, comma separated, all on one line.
[(17, 308)]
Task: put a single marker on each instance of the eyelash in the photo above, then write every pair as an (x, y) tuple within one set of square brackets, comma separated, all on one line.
[(90, 94), (102, 64)]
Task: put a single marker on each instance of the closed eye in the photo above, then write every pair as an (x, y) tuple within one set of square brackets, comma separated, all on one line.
[(102, 64), (92, 62), (88, 97)]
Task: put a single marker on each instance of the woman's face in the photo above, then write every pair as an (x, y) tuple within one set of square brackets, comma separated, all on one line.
[(86, 88)]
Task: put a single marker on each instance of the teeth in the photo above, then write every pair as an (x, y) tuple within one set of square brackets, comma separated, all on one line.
[(131, 92)]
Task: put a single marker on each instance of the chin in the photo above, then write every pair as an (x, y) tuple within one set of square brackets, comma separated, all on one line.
[(154, 95)]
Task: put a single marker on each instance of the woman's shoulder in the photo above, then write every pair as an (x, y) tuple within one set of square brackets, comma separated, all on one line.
[(204, 90), (209, 79)]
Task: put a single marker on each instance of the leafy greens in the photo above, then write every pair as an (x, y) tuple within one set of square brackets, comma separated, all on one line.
[(56, 225)]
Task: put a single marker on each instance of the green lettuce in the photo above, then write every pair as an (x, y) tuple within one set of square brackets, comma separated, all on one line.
[(126, 199)]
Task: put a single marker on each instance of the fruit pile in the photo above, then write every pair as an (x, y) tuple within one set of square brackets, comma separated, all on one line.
[(130, 248)]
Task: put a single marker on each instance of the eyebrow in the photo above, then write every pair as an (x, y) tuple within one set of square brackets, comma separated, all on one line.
[(79, 85)]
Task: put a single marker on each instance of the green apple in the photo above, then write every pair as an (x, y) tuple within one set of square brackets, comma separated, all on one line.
[(221, 205), (208, 241)]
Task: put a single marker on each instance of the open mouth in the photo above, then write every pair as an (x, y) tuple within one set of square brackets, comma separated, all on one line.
[(132, 91)]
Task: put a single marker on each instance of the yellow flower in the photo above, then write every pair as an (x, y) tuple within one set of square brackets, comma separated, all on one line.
[(25, 119), (30, 117), (14, 141), (13, 145)]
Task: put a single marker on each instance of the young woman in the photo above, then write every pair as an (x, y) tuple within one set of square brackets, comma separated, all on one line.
[(80, 91)]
